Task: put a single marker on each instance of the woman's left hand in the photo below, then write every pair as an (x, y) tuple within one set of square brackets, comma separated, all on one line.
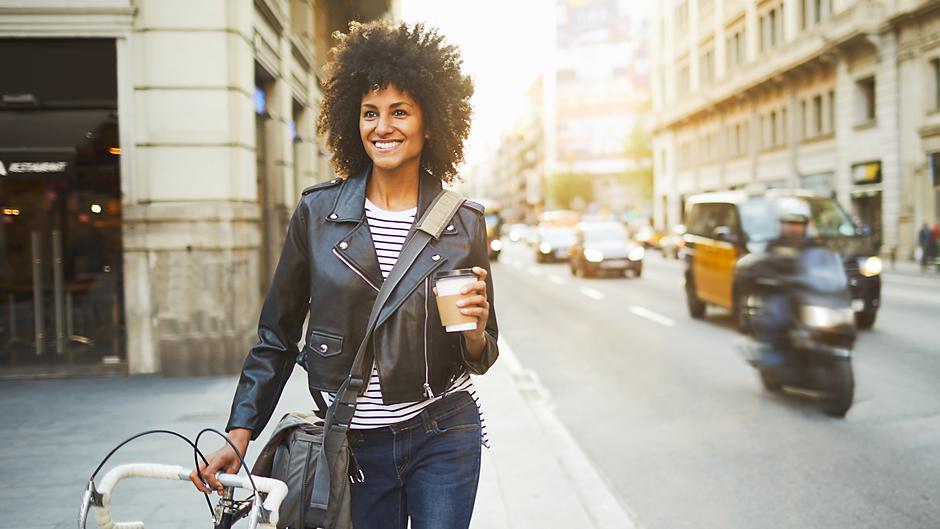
[(475, 304)]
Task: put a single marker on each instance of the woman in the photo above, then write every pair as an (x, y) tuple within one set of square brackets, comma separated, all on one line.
[(395, 113)]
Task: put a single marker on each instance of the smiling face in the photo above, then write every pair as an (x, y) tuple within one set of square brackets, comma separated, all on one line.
[(391, 125)]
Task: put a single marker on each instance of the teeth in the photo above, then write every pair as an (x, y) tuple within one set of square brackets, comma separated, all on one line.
[(386, 144)]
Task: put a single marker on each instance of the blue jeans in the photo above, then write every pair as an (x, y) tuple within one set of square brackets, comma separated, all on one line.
[(426, 468)]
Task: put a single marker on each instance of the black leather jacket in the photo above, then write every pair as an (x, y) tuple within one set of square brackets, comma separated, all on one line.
[(328, 266)]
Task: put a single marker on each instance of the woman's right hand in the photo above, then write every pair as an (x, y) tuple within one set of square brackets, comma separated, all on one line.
[(222, 460)]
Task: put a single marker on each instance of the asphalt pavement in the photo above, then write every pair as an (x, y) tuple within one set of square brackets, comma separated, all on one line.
[(680, 427)]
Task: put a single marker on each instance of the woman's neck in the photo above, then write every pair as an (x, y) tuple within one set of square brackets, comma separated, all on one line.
[(396, 191)]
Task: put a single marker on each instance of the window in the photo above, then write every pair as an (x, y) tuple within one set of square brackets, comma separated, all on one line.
[(865, 105), (706, 65), (935, 81), (682, 17), (832, 111), (804, 119), (813, 12), (817, 116), (771, 28), (735, 50), (682, 79)]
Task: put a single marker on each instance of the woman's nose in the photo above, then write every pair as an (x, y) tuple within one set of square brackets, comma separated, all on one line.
[(383, 126)]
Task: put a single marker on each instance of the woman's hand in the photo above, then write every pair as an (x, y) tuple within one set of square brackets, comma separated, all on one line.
[(222, 460), (475, 304)]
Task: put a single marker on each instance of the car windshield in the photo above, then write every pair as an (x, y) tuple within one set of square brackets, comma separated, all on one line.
[(760, 217), (556, 235), (822, 270), (604, 233)]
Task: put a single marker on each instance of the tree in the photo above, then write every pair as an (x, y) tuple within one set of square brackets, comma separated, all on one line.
[(567, 189), (639, 150)]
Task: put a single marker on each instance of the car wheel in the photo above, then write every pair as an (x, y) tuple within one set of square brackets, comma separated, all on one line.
[(696, 305), (740, 313), (865, 320)]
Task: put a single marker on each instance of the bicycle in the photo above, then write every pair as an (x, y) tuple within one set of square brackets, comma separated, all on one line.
[(261, 513)]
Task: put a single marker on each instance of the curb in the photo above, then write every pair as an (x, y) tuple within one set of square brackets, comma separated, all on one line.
[(560, 486)]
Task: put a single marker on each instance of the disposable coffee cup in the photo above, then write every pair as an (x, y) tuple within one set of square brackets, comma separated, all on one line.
[(448, 286)]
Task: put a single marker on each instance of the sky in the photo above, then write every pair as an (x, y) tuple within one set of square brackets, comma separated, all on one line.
[(505, 46)]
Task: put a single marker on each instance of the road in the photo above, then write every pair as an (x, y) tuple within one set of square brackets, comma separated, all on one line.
[(680, 427)]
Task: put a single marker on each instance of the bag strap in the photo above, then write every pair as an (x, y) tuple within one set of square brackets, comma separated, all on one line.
[(341, 411)]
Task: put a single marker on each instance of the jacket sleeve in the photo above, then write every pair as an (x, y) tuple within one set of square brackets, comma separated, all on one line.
[(480, 254), (271, 360)]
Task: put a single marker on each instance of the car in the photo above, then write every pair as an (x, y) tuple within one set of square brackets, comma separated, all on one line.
[(648, 236), (553, 243), (724, 228), (517, 232), (493, 218), (672, 243), (605, 247)]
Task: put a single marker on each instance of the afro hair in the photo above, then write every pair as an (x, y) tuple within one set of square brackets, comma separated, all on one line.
[(415, 60)]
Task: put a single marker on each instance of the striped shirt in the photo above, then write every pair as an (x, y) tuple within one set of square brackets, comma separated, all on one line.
[(389, 231)]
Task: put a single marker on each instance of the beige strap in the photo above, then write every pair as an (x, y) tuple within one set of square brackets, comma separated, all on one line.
[(439, 214)]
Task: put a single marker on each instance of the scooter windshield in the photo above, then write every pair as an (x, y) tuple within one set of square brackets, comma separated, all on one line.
[(821, 270)]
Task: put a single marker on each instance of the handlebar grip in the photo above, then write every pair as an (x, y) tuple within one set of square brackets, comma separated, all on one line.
[(276, 490)]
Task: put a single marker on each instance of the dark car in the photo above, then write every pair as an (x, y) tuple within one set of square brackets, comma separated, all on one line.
[(605, 247), (553, 243)]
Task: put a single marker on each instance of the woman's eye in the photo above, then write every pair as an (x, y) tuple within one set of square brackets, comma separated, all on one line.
[(399, 112), (369, 114)]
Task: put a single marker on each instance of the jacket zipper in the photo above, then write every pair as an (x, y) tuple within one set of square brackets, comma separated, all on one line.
[(354, 269), (427, 369)]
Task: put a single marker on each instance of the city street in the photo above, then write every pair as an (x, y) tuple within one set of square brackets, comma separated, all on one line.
[(680, 427)]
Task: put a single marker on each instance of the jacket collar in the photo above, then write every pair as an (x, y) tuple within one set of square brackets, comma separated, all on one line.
[(350, 203)]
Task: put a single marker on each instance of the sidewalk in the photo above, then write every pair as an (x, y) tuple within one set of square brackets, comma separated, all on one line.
[(54, 433)]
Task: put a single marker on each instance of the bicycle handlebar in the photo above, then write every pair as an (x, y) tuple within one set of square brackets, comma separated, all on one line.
[(276, 491)]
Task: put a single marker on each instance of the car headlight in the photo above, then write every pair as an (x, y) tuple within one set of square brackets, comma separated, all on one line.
[(496, 245), (636, 254), (545, 247), (594, 256), (822, 317), (870, 266)]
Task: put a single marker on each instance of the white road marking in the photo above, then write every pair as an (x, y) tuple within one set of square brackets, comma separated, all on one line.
[(534, 271), (557, 280), (652, 316), (591, 293)]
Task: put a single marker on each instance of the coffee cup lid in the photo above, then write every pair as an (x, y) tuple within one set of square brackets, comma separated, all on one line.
[(460, 272)]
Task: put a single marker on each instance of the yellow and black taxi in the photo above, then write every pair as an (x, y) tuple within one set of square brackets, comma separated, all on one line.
[(724, 227)]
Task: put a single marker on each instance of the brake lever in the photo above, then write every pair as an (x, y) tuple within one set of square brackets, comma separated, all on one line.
[(91, 497)]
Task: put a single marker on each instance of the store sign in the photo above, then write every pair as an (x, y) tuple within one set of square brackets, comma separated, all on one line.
[(12, 168), (866, 173)]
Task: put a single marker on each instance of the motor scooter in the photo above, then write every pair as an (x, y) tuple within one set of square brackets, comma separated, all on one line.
[(803, 328)]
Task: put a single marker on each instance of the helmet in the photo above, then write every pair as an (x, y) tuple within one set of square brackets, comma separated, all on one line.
[(793, 210)]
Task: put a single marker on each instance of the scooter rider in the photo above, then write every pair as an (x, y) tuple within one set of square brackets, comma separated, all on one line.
[(772, 324)]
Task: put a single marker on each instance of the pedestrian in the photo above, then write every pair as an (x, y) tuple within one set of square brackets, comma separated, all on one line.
[(395, 114), (924, 238), (932, 243)]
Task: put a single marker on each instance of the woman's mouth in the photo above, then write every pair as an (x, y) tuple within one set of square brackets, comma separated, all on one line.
[(386, 146)]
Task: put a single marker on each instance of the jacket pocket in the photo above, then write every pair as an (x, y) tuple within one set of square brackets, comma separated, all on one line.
[(325, 344)]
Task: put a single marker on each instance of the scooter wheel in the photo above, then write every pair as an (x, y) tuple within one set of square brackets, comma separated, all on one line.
[(838, 399)]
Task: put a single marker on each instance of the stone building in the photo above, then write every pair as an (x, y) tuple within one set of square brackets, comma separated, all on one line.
[(151, 152), (840, 96)]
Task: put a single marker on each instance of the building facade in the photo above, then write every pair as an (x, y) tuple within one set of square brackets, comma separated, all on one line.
[(839, 96), (151, 154), (599, 92)]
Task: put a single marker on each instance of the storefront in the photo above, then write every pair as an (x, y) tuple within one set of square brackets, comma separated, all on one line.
[(61, 279), (866, 196)]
